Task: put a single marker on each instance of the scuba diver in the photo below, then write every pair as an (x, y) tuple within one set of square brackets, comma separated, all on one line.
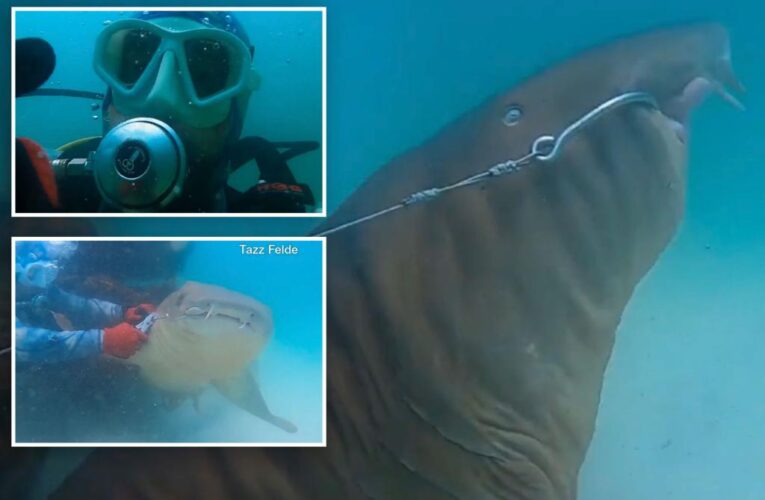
[(178, 86), (54, 326)]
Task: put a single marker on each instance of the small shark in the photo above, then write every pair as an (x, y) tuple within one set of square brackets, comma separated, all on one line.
[(204, 334)]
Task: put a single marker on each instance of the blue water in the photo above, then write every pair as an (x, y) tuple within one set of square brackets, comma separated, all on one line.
[(683, 406)]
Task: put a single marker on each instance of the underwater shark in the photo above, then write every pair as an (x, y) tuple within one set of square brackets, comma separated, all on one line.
[(204, 334), (468, 336)]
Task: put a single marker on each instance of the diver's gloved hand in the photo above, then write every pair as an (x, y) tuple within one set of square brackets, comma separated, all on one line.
[(138, 313), (123, 340)]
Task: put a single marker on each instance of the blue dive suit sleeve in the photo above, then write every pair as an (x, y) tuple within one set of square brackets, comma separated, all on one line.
[(40, 345), (92, 313)]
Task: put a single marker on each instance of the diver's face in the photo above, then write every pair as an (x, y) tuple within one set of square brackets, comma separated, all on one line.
[(161, 75)]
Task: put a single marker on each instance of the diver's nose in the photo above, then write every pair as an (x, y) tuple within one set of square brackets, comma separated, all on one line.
[(167, 94)]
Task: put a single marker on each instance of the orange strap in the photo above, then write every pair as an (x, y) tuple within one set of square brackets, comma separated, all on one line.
[(43, 169)]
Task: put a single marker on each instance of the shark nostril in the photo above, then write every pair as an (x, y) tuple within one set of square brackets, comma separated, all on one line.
[(513, 115)]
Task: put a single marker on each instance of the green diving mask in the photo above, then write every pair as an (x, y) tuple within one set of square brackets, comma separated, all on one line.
[(175, 69)]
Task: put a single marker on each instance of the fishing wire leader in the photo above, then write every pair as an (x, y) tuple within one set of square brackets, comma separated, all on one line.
[(545, 148)]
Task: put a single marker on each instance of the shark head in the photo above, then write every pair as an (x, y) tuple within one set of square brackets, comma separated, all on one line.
[(678, 66), (209, 312), (206, 334), (681, 66)]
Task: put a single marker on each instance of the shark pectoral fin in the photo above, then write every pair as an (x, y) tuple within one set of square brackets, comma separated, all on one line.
[(244, 392)]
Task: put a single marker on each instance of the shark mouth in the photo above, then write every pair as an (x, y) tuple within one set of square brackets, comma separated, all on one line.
[(678, 109), (243, 317)]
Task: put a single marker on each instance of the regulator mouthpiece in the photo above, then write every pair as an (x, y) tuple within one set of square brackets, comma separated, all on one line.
[(140, 165)]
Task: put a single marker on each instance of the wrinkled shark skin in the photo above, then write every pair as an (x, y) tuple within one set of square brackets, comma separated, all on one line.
[(205, 335), (468, 337)]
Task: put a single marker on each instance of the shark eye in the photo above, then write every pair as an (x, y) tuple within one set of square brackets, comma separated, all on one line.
[(195, 311), (513, 115)]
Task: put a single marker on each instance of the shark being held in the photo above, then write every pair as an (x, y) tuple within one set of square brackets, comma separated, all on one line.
[(468, 336), (203, 334)]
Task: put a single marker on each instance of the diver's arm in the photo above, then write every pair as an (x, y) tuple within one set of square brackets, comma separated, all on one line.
[(81, 311), (40, 345)]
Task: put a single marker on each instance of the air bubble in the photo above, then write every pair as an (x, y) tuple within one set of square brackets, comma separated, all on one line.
[(95, 117), (94, 106), (107, 22)]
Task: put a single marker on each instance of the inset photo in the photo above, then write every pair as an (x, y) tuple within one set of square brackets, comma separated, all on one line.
[(180, 111), (169, 342)]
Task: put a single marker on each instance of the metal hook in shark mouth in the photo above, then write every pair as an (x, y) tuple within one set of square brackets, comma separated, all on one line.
[(243, 317), (544, 149)]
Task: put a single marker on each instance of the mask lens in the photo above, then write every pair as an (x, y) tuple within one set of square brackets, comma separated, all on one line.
[(138, 48), (209, 63), (128, 53)]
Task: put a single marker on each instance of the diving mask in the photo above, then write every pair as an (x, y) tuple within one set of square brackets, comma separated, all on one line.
[(174, 68)]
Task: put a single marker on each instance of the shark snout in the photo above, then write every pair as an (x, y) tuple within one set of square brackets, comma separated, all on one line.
[(721, 83), (698, 67)]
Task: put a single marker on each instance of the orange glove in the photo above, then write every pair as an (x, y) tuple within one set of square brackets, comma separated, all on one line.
[(123, 340), (138, 313)]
